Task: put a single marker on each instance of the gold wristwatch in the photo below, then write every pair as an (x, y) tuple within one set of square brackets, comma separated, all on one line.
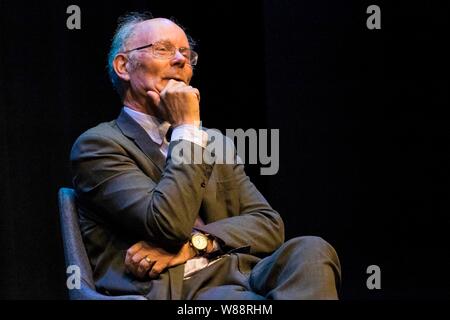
[(199, 241)]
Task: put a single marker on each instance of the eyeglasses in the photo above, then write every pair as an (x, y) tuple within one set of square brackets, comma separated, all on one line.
[(166, 50)]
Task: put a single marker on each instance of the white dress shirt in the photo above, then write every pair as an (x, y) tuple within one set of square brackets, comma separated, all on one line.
[(157, 129)]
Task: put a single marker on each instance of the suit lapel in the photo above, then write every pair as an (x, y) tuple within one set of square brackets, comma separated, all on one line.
[(176, 275), (134, 131)]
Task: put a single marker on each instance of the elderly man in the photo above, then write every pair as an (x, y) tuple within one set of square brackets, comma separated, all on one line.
[(170, 230)]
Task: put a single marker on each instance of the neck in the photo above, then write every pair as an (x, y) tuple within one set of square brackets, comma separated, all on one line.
[(138, 104)]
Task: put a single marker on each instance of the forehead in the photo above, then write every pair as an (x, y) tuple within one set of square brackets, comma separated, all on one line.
[(159, 29)]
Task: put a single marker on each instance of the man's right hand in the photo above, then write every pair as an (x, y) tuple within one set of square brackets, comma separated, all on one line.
[(178, 103), (145, 259)]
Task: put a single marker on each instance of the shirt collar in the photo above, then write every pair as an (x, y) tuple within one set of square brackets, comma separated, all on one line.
[(154, 127)]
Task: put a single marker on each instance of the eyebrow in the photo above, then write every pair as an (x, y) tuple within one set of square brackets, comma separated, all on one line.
[(169, 41)]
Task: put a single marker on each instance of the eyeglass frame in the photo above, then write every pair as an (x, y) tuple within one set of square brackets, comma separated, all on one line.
[(176, 49)]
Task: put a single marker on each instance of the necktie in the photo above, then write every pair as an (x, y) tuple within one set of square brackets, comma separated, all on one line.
[(165, 131), (168, 135)]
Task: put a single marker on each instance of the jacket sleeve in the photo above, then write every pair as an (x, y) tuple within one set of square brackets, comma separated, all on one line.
[(257, 229), (162, 212)]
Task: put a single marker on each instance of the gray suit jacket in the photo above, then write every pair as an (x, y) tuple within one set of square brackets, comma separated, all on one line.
[(127, 191)]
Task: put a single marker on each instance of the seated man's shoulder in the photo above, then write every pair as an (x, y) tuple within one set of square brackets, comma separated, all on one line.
[(104, 129), (104, 133)]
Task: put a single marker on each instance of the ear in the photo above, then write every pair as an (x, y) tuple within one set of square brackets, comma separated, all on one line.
[(120, 66)]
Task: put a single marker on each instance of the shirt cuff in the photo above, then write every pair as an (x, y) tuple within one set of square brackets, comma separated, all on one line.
[(216, 246), (190, 132)]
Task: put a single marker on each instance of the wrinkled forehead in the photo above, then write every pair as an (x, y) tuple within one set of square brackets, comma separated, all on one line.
[(159, 29)]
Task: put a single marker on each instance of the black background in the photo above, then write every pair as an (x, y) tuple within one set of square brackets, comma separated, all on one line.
[(362, 117)]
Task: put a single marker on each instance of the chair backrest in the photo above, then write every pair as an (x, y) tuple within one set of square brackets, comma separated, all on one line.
[(74, 250)]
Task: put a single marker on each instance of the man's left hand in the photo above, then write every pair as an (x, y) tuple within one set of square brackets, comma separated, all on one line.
[(143, 258)]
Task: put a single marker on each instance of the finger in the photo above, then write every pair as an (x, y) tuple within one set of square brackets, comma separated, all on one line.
[(157, 269), (131, 269), (193, 90), (132, 250), (172, 85), (197, 92), (135, 248), (175, 83), (144, 267), (154, 97), (138, 256)]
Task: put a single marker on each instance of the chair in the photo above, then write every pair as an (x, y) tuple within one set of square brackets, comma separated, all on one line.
[(75, 252)]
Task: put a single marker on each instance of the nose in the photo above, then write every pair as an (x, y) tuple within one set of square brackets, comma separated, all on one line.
[(179, 59)]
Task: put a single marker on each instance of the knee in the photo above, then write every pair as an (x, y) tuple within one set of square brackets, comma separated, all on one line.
[(314, 254), (312, 248)]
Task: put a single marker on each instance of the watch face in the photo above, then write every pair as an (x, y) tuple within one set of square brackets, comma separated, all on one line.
[(199, 241)]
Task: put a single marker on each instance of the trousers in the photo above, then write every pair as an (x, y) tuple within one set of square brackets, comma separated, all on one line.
[(303, 268)]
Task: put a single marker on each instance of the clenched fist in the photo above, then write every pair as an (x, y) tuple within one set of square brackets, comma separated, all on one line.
[(178, 103)]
